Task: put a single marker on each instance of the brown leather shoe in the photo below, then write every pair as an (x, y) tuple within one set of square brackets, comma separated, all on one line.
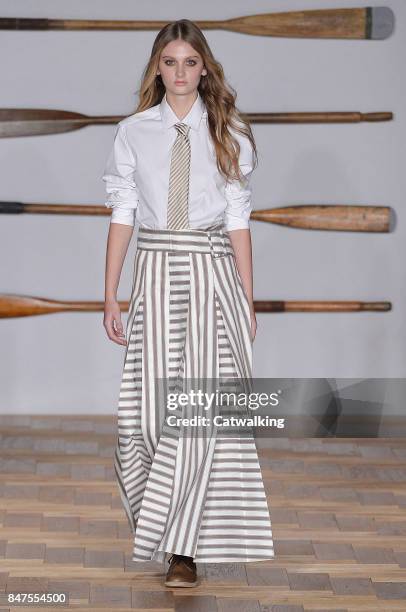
[(181, 572)]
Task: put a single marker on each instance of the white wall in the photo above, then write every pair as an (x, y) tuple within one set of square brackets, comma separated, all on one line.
[(64, 363)]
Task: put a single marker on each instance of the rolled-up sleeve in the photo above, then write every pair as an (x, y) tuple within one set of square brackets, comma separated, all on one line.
[(238, 195), (121, 189)]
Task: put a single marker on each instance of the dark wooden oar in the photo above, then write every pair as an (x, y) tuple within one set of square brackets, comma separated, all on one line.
[(37, 121), (354, 23), (315, 217), (320, 306), (13, 305)]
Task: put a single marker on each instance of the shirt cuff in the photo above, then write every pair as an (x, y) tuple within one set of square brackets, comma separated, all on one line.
[(236, 225), (120, 215)]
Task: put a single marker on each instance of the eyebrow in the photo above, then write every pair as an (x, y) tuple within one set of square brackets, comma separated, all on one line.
[(171, 56)]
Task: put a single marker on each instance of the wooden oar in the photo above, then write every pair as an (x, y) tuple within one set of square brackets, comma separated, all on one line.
[(316, 217), (13, 305), (39, 121), (353, 23), (347, 218)]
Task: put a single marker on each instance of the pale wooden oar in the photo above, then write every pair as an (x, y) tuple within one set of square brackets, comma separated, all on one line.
[(39, 121), (340, 217), (13, 305), (354, 23), (337, 217)]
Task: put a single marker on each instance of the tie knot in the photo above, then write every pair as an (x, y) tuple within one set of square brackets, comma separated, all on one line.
[(182, 128)]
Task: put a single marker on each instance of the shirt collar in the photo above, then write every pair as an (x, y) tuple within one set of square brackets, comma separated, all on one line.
[(193, 117)]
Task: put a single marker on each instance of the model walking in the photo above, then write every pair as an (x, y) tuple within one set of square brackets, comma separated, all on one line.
[(181, 166)]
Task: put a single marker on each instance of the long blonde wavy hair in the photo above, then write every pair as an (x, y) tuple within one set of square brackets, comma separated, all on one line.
[(218, 96)]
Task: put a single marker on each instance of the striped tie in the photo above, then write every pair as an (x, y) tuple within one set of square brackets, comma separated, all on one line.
[(177, 217)]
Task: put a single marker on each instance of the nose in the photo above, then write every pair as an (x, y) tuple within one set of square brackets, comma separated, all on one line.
[(180, 72)]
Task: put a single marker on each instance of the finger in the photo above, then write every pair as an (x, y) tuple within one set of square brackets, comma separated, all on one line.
[(117, 340), (111, 333), (119, 331)]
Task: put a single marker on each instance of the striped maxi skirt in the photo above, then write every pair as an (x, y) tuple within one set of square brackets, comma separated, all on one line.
[(189, 492)]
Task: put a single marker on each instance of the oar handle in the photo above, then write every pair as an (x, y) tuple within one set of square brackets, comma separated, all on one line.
[(19, 23), (38, 208), (12, 208)]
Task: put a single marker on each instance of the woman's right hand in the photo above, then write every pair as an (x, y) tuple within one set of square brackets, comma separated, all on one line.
[(112, 322)]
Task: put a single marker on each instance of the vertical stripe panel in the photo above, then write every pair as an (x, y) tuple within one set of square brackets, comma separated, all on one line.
[(187, 491)]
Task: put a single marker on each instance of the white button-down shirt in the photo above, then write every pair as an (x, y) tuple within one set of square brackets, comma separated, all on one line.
[(137, 171)]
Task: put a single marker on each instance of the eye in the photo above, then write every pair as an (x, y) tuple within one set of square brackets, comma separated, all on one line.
[(190, 62)]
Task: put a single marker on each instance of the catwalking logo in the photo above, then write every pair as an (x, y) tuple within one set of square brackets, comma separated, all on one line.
[(222, 421)]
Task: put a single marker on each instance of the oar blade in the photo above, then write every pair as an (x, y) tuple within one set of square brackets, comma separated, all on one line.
[(39, 121), (345, 23)]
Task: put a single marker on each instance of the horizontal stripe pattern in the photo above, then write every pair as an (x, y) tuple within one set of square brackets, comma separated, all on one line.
[(199, 494)]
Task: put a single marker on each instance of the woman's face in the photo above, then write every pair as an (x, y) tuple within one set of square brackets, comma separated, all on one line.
[(180, 67)]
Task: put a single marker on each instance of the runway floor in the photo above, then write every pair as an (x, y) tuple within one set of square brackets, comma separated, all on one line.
[(338, 510)]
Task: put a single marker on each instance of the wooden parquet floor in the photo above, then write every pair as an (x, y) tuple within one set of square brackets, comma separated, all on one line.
[(338, 508)]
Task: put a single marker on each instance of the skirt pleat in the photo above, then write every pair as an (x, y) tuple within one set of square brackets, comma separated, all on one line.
[(187, 490)]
